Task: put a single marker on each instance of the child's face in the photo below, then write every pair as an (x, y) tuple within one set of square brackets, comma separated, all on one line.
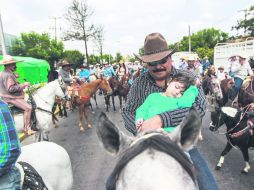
[(175, 89)]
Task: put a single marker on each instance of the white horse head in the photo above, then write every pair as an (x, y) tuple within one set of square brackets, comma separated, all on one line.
[(153, 160), (51, 161), (216, 88)]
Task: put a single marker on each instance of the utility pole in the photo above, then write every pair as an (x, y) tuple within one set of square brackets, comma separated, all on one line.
[(55, 26), (245, 18), (189, 40), (2, 36)]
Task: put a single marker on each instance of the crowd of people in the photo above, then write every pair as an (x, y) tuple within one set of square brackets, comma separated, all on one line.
[(175, 85)]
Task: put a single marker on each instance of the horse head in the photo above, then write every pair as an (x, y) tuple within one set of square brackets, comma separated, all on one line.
[(105, 86), (212, 85), (215, 88), (224, 115), (149, 153)]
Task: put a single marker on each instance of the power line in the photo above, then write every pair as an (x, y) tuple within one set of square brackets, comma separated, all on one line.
[(55, 28)]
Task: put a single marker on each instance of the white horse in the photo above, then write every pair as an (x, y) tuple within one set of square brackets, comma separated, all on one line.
[(44, 98), (52, 163), (152, 160)]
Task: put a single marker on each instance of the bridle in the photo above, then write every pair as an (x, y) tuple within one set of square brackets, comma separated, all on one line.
[(62, 86)]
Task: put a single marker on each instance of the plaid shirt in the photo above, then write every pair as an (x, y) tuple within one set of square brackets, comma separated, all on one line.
[(145, 85), (9, 141)]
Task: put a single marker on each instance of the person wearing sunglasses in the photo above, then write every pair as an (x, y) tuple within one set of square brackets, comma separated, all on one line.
[(157, 57)]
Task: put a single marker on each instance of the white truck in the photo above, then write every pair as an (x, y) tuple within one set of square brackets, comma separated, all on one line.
[(222, 51)]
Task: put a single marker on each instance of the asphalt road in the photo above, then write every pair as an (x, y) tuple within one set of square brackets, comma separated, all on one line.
[(91, 164)]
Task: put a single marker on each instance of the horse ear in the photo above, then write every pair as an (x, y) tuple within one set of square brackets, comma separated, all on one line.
[(187, 133), (109, 135)]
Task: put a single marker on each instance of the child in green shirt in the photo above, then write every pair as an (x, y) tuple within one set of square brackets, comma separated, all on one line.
[(180, 93)]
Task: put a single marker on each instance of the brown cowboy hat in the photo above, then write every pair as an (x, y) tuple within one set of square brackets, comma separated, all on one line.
[(155, 48), (8, 59), (65, 63)]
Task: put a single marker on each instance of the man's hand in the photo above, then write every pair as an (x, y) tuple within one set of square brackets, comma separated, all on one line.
[(151, 124), (197, 82)]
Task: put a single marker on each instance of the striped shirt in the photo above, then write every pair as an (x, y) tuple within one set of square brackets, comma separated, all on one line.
[(145, 85), (9, 141)]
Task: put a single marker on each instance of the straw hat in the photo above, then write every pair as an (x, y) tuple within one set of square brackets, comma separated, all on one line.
[(190, 58), (221, 68), (65, 63), (155, 48), (8, 59)]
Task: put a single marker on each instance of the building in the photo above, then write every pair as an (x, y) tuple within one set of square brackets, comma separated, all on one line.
[(222, 51)]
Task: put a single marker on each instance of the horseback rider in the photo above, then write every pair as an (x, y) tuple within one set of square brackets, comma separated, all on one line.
[(64, 72), (12, 92), (9, 174), (108, 71), (122, 70), (84, 73)]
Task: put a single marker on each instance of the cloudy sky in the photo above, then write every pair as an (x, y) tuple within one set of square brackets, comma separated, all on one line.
[(126, 22)]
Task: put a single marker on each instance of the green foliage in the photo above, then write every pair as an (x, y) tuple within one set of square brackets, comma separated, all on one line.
[(94, 59), (75, 57), (206, 38), (247, 23), (202, 52), (118, 57), (38, 46)]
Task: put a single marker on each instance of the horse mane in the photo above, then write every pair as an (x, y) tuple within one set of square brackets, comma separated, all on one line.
[(158, 142), (87, 85)]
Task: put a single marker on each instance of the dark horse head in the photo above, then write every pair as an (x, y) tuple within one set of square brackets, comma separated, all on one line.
[(233, 118), (246, 94)]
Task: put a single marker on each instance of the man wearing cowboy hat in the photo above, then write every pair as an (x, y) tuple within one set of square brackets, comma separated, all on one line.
[(241, 70), (205, 63), (108, 71), (220, 73), (64, 72), (84, 73), (157, 56), (12, 92)]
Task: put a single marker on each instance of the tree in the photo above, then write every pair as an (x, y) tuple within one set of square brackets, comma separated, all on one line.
[(38, 46), (206, 38), (78, 15), (75, 57), (99, 39), (247, 23), (119, 57)]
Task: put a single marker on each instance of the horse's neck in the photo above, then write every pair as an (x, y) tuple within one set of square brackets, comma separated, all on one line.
[(92, 86), (45, 96), (233, 122)]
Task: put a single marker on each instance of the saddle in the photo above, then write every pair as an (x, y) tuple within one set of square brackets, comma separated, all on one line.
[(30, 178)]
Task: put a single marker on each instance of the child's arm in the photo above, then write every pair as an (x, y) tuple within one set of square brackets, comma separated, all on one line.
[(141, 112), (188, 97)]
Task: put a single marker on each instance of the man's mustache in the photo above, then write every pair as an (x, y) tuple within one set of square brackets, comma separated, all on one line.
[(158, 70)]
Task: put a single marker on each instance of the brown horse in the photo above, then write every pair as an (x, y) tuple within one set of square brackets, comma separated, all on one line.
[(123, 89), (246, 93), (82, 95), (114, 84)]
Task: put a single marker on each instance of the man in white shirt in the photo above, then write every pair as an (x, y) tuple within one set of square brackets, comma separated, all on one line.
[(241, 70)]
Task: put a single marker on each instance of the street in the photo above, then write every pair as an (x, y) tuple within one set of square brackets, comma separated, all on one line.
[(91, 164)]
